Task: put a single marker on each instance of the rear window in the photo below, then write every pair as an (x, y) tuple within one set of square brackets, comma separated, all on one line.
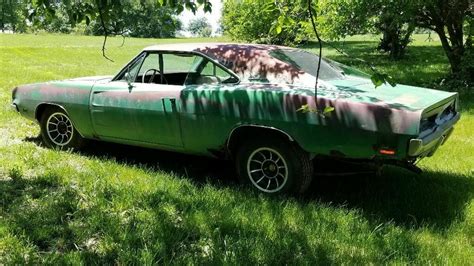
[(307, 62), (273, 64)]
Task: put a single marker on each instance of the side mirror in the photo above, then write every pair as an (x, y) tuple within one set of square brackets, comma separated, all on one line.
[(128, 78)]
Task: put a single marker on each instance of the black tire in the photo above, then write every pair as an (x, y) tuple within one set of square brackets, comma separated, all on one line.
[(54, 118), (298, 172)]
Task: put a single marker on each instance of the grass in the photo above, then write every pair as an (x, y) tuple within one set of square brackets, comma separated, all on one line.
[(118, 204)]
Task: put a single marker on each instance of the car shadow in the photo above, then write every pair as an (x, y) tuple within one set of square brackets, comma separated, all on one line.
[(433, 199)]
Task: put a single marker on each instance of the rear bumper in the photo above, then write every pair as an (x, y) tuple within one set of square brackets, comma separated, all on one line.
[(426, 146)]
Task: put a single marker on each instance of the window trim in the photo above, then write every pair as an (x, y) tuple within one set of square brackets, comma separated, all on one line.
[(126, 67), (161, 52)]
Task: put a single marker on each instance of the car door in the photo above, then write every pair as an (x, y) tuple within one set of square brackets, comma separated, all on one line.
[(140, 111)]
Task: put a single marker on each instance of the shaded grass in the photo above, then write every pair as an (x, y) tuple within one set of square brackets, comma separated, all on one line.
[(118, 204)]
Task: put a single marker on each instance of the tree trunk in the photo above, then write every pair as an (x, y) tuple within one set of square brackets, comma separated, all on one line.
[(395, 40), (3, 15), (452, 50)]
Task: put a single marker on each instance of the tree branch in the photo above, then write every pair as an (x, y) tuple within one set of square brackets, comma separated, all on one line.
[(101, 17), (320, 52)]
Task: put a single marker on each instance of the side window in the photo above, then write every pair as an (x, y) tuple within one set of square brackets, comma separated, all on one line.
[(209, 69), (166, 68), (178, 63), (211, 74), (223, 75), (151, 62)]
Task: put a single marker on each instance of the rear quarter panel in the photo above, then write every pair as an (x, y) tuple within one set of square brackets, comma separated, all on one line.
[(210, 113)]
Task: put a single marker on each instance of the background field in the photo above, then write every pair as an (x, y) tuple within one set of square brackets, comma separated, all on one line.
[(120, 204)]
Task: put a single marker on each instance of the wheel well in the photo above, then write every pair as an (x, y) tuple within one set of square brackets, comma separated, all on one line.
[(242, 133), (42, 107)]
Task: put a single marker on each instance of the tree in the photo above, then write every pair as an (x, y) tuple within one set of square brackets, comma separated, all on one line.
[(105, 11), (141, 19), (391, 18), (267, 21), (12, 16), (453, 21), (200, 27)]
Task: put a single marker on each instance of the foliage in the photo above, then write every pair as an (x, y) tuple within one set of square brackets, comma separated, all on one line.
[(200, 27), (12, 16), (391, 18), (120, 205), (397, 19), (453, 21), (141, 19), (267, 21), (108, 13), (58, 23)]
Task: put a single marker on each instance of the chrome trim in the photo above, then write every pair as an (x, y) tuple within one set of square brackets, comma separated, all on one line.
[(256, 126), (198, 53), (427, 145)]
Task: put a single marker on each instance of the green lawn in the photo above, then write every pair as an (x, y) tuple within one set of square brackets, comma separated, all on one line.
[(117, 204)]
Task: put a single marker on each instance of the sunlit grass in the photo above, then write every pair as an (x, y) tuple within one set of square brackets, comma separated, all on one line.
[(118, 204)]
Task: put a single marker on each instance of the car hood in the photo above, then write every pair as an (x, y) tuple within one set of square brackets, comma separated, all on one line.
[(67, 89), (91, 78)]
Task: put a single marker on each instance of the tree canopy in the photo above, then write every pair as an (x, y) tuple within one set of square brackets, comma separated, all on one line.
[(200, 27), (268, 21), (286, 22)]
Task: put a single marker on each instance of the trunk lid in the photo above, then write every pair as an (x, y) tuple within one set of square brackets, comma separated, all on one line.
[(403, 97)]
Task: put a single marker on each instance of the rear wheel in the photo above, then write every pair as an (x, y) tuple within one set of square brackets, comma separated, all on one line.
[(58, 131), (274, 166)]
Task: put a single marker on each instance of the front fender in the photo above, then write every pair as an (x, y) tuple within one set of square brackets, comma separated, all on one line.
[(71, 96)]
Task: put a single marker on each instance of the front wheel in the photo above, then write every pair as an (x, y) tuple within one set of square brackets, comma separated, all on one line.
[(274, 166), (57, 130)]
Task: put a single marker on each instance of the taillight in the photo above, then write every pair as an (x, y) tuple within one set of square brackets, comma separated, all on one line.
[(387, 151)]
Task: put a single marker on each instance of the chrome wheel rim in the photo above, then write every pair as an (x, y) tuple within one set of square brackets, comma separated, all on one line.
[(267, 170), (59, 128)]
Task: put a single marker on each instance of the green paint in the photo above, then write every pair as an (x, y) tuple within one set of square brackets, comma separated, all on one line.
[(199, 118)]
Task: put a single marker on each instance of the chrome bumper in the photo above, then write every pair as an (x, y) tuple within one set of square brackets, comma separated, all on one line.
[(427, 145), (14, 107)]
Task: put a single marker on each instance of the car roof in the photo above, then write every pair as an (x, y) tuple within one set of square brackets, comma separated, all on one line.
[(269, 63), (191, 47)]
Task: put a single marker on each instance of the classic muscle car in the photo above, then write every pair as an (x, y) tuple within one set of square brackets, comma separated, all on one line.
[(241, 102)]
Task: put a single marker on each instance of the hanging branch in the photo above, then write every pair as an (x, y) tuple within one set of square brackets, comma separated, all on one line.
[(320, 50), (102, 22), (305, 108), (123, 39)]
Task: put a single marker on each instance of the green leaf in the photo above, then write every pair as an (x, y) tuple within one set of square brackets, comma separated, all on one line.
[(207, 7), (278, 29), (380, 78), (391, 81), (179, 9), (328, 109), (377, 79), (304, 109)]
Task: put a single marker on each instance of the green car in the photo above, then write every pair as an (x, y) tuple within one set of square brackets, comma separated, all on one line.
[(243, 102)]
